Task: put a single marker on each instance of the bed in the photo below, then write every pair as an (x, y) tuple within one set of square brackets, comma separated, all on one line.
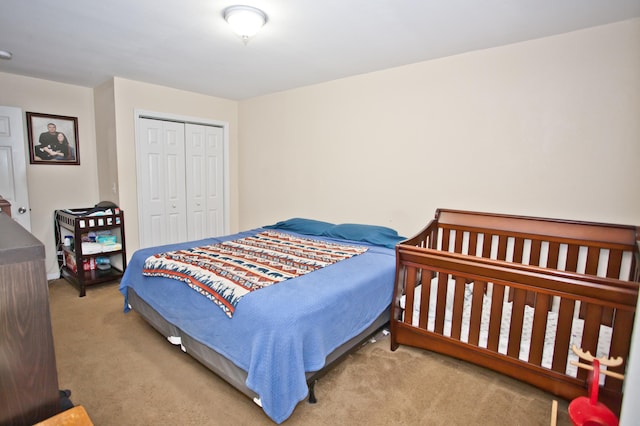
[(514, 294), (271, 343)]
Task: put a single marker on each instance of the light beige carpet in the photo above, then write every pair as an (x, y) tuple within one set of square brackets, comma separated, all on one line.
[(125, 373)]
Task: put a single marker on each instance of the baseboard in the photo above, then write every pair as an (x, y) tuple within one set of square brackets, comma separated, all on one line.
[(53, 276)]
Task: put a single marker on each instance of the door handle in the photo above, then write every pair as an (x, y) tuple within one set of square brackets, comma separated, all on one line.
[(22, 210)]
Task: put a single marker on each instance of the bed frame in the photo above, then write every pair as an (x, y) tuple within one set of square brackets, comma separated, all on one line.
[(586, 270), (233, 374)]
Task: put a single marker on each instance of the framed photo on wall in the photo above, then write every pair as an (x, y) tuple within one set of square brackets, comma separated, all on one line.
[(53, 139)]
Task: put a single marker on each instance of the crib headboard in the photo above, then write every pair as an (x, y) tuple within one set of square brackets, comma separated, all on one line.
[(606, 250)]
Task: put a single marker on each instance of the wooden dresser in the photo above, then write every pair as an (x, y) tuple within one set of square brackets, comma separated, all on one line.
[(28, 376)]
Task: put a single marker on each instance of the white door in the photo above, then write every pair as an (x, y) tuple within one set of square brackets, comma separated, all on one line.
[(161, 182), (13, 165), (204, 181)]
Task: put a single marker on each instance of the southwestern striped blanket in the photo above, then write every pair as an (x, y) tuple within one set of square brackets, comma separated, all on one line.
[(226, 271)]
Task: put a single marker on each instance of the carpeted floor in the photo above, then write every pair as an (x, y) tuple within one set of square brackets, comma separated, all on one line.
[(125, 373)]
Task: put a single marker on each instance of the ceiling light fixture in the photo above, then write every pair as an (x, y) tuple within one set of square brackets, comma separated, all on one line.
[(5, 54), (245, 21)]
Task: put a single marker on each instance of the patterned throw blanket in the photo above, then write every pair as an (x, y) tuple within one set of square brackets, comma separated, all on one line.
[(227, 271)]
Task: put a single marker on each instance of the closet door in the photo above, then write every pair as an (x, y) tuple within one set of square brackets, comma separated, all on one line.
[(204, 181), (161, 162)]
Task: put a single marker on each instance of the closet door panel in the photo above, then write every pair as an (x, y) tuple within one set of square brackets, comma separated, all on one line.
[(214, 212), (175, 201), (162, 181), (204, 150), (196, 201), (154, 200), (196, 170), (215, 181)]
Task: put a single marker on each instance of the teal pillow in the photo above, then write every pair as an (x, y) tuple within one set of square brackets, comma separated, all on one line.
[(302, 226), (378, 235)]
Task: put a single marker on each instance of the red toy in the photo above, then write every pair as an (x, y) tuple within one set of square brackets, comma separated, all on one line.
[(585, 411)]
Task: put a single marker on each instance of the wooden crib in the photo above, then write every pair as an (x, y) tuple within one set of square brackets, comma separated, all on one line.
[(513, 293)]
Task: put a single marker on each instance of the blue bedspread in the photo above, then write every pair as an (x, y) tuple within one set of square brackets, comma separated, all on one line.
[(280, 332)]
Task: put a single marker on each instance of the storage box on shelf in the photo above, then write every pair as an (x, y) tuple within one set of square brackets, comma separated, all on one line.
[(91, 246)]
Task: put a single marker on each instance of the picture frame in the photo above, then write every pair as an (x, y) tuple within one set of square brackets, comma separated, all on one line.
[(53, 139)]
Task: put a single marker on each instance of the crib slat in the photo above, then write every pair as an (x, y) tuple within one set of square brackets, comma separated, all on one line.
[(538, 329), (517, 317), (502, 247), (410, 285), (572, 258), (473, 243), (518, 249), (446, 232), (433, 243), (593, 256), (425, 299), (486, 245), (441, 302), (458, 302), (496, 317), (518, 256), (590, 332), (563, 335), (614, 264), (613, 271), (458, 242), (476, 312), (634, 273), (534, 256), (620, 345), (554, 253)]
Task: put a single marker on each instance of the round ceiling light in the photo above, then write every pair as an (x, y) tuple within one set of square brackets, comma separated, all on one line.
[(245, 21), (5, 54)]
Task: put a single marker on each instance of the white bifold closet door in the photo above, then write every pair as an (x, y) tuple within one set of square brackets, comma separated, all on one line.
[(180, 181)]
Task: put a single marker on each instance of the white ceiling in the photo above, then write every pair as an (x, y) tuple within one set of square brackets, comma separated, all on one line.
[(186, 44)]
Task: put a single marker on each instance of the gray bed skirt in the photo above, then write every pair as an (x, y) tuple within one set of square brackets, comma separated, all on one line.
[(226, 369)]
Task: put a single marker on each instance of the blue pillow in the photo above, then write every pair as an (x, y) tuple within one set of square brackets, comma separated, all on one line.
[(302, 226), (378, 235)]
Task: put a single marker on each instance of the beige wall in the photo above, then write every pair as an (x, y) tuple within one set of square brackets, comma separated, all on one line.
[(132, 95), (53, 187), (547, 127)]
